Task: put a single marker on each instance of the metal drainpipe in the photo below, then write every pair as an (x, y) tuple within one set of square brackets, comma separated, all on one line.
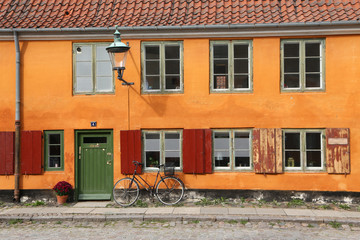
[(17, 121)]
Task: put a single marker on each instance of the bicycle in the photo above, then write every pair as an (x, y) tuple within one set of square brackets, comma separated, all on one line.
[(169, 189)]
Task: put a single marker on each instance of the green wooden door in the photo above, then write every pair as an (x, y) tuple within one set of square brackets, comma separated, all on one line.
[(95, 166)]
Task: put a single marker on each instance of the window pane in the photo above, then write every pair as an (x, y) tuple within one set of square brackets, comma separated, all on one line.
[(241, 161), (312, 49), (172, 52), (292, 140), (221, 140), (220, 51), (221, 82), (83, 53), (172, 141), (313, 140), (172, 67), (172, 82), (104, 84), (54, 138), (101, 53), (241, 66), (152, 52), (291, 49), (54, 162), (152, 67), (152, 83), (220, 66), (241, 81), (172, 158), (312, 65), (103, 69), (95, 140), (291, 81), (54, 150), (312, 80), (241, 140), (241, 51), (172, 161), (313, 159), (152, 141), (222, 159), (291, 65), (292, 159), (83, 69), (84, 84), (152, 158)]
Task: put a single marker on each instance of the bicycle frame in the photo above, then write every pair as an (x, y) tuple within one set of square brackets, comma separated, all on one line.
[(148, 187)]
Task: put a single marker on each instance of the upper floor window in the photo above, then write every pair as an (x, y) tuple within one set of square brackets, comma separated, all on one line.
[(302, 65), (232, 149), (303, 149), (231, 66), (54, 150), (92, 69), (162, 67), (162, 147)]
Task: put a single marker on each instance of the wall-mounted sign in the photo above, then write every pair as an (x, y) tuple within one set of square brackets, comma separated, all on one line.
[(338, 141), (93, 124)]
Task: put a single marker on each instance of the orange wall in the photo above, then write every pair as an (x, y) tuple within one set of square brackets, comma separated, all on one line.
[(48, 104)]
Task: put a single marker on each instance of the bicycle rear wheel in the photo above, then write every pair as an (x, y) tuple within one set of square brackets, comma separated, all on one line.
[(170, 190), (126, 192)]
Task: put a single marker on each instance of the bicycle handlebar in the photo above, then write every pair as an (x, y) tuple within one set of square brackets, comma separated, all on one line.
[(137, 163)]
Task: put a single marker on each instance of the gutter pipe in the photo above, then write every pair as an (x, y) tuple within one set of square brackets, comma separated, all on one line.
[(189, 27), (17, 121)]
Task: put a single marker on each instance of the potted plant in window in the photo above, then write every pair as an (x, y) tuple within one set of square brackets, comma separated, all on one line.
[(62, 190)]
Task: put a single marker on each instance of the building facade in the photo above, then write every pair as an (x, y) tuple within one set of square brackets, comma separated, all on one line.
[(237, 95)]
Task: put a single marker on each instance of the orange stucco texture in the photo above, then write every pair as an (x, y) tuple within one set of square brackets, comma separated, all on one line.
[(48, 104)]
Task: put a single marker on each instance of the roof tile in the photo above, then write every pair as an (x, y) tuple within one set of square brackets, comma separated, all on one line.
[(105, 13)]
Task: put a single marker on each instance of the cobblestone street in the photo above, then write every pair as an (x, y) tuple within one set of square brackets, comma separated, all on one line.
[(174, 230)]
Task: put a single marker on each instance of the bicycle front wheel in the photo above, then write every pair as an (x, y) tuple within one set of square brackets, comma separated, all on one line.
[(170, 190), (126, 192)]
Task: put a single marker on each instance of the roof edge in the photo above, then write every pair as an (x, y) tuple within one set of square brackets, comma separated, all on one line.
[(187, 27)]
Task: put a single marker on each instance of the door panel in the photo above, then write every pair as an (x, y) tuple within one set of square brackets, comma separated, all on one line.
[(95, 166)]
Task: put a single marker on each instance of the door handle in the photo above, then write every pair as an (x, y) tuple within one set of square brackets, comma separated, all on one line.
[(108, 162)]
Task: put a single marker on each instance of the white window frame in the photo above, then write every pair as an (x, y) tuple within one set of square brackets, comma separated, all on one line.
[(231, 70), (162, 147), (161, 45), (303, 150), (232, 149), (302, 70), (93, 66)]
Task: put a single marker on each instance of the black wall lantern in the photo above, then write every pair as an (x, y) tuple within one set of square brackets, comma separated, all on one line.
[(118, 53)]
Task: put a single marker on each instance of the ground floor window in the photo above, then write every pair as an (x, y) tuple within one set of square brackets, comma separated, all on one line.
[(162, 147), (54, 150), (232, 149), (303, 149)]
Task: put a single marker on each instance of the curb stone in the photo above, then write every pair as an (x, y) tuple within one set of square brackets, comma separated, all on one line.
[(51, 218), (92, 218), (162, 217)]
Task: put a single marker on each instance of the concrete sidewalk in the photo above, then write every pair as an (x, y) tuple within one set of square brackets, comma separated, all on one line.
[(97, 211)]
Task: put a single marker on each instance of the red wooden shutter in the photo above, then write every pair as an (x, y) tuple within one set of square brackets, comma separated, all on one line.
[(267, 150), (31, 152), (197, 151), (7, 153), (130, 143), (338, 150)]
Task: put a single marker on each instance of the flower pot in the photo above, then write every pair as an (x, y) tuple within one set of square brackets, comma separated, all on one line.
[(61, 199)]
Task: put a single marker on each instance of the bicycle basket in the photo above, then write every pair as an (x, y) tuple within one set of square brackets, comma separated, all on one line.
[(169, 169)]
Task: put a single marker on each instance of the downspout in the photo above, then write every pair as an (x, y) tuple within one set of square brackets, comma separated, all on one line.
[(17, 121)]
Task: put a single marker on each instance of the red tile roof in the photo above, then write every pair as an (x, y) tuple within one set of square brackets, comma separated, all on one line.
[(136, 13)]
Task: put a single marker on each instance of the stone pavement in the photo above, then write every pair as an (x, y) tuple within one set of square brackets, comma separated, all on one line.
[(98, 211)]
